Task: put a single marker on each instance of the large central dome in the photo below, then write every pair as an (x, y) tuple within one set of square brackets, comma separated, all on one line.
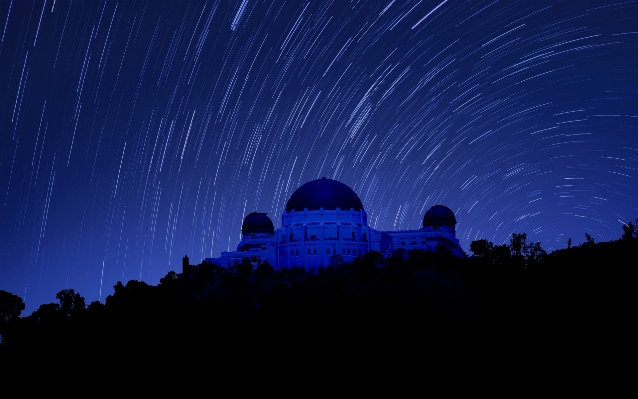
[(324, 193)]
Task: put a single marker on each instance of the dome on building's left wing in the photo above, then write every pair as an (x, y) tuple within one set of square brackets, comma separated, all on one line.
[(324, 193), (439, 215), (257, 222)]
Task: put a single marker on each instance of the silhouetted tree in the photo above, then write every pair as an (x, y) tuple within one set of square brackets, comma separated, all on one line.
[(481, 248), (536, 253), (95, 307), (170, 277), (419, 257), (487, 252), (525, 252), (630, 230), (264, 270), (10, 307), (244, 268), (396, 270), (134, 300), (590, 241), (443, 258), (373, 256), (366, 266), (337, 261), (501, 254), (47, 313), (518, 244), (71, 303)]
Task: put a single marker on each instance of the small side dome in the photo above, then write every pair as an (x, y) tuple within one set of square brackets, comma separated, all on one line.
[(439, 215), (257, 222)]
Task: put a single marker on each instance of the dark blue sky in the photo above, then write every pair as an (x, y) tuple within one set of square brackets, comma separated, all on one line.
[(133, 133)]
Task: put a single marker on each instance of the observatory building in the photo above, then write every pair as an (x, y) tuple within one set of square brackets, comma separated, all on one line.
[(324, 218)]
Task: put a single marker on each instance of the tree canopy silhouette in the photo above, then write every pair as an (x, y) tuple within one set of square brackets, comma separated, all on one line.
[(514, 285)]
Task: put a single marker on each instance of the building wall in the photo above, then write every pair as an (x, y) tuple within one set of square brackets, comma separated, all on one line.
[(259, 245), (427, 238), (310, 239)]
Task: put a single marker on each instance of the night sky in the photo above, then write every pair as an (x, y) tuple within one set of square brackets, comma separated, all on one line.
[(133, 133)]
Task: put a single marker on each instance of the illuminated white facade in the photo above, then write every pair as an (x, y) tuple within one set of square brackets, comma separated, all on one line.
[(311, 238), (324, 221), (438, 230)]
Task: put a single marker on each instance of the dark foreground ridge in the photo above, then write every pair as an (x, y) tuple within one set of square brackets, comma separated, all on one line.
[(415, 301)]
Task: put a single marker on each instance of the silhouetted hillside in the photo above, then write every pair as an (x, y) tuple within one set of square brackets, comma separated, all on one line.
[(501, 293)]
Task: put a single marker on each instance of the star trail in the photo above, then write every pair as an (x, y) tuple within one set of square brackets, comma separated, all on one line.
[(133, 133)]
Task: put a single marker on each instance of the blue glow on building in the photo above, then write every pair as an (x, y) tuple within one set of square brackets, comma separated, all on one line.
[(324, 220)]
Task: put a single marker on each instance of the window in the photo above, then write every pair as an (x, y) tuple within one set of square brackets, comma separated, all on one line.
[(364, 238), (315, 250), (308, 251), (348, 251), (344, 251), (297, 252), (292, 253), (334, 251), (328, 251)]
